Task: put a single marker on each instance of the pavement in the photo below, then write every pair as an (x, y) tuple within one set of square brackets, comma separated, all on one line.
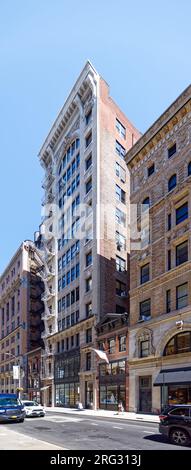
[(12, 440), (107, 414)]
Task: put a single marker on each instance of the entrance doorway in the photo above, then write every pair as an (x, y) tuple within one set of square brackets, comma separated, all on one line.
[(145, 394), (88, 394)]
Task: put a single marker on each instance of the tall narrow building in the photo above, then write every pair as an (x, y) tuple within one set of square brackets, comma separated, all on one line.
[(83, 235)]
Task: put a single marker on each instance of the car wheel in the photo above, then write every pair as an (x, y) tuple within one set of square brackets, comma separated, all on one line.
[(180, 437), (21, 420)]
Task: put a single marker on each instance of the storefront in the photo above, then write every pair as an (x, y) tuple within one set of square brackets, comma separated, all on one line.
[(112, 385), (66, 378), (175, 386)]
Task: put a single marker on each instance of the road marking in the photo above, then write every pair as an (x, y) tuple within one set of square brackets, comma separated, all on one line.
[(116, 427), (94, 424), (56, 419)]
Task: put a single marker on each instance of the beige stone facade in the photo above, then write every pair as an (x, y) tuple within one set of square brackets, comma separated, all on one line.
[(160, 281), (83, 159)]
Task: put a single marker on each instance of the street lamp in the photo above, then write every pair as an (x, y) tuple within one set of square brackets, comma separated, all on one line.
[(16, 373)]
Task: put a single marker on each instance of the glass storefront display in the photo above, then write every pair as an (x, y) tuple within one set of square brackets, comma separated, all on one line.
[(179, 394), (67, 394), (111, 395)]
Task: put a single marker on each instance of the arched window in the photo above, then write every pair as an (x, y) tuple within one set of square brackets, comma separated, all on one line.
[(189, 168), (181, 343), (172, 182), (146, 204)]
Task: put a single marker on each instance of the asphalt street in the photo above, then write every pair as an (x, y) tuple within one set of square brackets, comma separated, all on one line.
[(73, 432)]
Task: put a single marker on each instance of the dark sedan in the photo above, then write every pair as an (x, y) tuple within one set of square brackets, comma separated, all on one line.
[(175, 424)]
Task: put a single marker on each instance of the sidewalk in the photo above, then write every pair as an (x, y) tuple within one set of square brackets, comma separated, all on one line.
[(12, 440), (106, 414)]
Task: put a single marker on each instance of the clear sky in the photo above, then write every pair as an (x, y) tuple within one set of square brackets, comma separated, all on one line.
[(141, 48)]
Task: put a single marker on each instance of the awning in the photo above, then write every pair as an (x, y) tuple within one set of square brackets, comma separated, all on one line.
[(173, 376)]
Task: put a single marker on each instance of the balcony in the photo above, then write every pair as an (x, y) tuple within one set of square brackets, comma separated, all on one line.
[(49, 253), (48, 314), (48, 295), (48, 198), (48, 180)]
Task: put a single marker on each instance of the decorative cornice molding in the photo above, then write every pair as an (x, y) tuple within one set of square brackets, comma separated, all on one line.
[(87, 78), (164, 124)]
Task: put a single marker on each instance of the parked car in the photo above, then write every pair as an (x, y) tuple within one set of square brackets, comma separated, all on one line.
[(11, 408), (175, 423), (32, 408)]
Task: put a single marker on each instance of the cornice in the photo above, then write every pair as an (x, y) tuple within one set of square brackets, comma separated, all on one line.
[(87, 79), (176, 111)]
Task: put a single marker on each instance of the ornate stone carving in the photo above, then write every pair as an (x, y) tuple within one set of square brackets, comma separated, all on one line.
[(145, 334)]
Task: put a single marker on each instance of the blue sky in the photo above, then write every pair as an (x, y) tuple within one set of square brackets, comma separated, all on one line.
[(141, 48)]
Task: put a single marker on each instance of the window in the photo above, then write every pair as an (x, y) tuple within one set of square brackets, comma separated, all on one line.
[(120, 309), (77, 316), (77, 294), (122, 343), (120, 264), (121, 289), (171, 150), (180, 411), (182, 253), (68, 300), (120, 217), (72, 319), (120, 172), (151, 170), (88, 185), (145, 204), (121, 129), (73, 166), (120, 194), (144, 348), (72, 341), (88, 361), (181, 213), (88, 162), (189, 168), (72, 274), (88, 284), (77, 270), (169, 259), (88, 117), (145, 310), (89, 259), (172, 182), (77, 339), (120, 241), (181, 343), (88, 139), (68, 278), (145, 273), (111, 345), (72, 297), (169, 222), (182, 296), (88, 309), (168, 301), (89, 335), (120, 150), (77, 160)]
